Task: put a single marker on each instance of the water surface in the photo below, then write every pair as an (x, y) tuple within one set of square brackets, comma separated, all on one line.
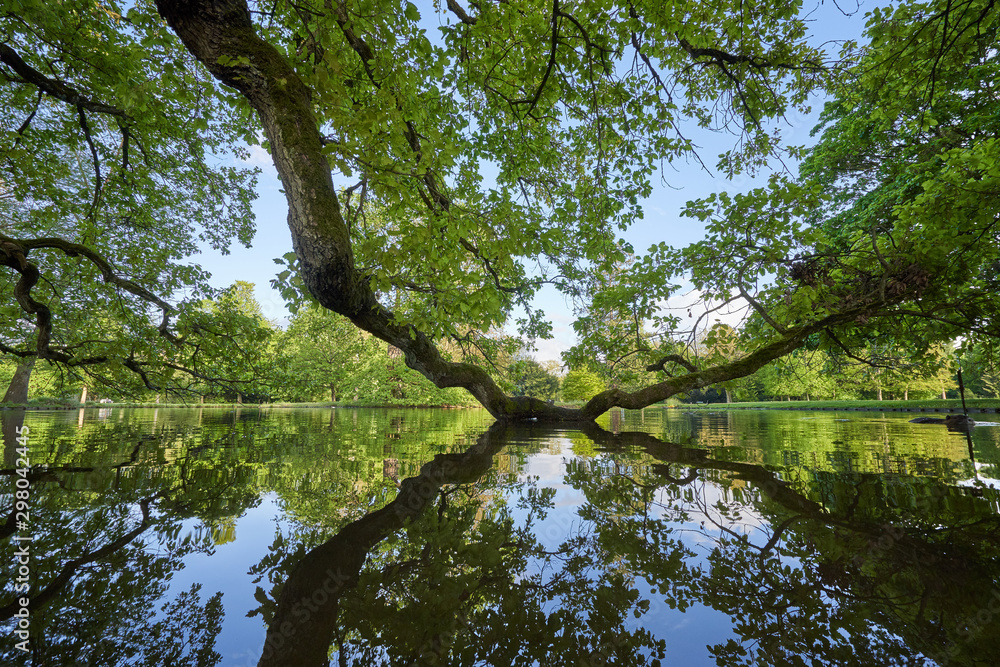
[(358, 537)]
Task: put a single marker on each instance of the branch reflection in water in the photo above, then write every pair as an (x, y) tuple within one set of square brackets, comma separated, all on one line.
[(453, 571)]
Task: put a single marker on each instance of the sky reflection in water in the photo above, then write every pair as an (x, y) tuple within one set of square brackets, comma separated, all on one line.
[(732, 538)]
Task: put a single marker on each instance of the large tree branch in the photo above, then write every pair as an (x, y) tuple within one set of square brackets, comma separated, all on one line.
[(320, 235), (14, 254), (460, 12), (98, 180), (722, 58), (552, 60), (677, 359), (763, 355), (53, 87)]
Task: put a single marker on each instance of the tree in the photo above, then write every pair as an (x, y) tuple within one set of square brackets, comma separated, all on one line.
[(884, 366), (722, 345), (359, 107), (323, 356), (234, 355), (802, 374), (321, 351), (581, 386), (530, 379), (17, 390), (980, 371), (899, 196), (612, 335), (114, 170), (929, 376)]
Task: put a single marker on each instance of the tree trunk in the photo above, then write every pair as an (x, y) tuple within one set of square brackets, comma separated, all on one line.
[(729, 396), (83, 395), (333, 393), (880, 393), (397, 388), (17, 390), (906, 394), (393, 352)]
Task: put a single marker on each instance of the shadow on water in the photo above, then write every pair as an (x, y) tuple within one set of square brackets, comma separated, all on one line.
[(476, 560)]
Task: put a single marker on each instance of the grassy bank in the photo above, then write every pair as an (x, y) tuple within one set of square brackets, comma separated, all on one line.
[(929, 404)]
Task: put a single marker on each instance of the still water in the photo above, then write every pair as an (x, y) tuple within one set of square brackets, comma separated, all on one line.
[(368, 537)]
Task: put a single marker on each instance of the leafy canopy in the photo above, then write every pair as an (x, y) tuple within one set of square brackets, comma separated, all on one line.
[(443, 163), (116, 169)]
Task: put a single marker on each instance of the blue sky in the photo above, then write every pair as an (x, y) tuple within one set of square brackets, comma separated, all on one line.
[(682, 182)]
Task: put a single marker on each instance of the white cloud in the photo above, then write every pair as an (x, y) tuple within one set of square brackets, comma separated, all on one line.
[(553, 348)]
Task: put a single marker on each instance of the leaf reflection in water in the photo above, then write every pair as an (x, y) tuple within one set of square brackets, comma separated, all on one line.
[(832, 571)]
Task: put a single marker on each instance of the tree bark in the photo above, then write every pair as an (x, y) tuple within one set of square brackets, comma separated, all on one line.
[(83, 395), (333, 393), (17, 390)]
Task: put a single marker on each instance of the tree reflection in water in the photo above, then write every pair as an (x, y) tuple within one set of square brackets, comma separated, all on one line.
[(100, 559), (472, 561), (453, 572)]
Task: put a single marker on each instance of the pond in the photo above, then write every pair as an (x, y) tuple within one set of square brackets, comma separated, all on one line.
[(368, 537)]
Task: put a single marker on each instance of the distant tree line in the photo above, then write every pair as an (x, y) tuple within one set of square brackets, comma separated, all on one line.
[(321, 356), (318, 356)]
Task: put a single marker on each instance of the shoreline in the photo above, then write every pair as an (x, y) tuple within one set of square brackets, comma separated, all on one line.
[(952, 406), (721, 407)]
